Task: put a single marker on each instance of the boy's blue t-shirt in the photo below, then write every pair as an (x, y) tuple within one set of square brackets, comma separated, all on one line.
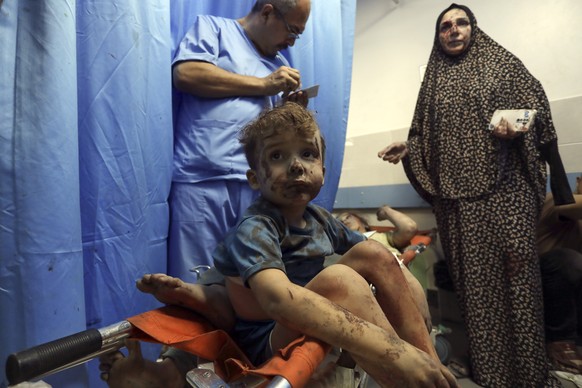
[(262, 239)]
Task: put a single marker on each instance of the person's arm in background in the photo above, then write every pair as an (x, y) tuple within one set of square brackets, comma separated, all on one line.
[(405, 227), (204, 79), (572, 211)]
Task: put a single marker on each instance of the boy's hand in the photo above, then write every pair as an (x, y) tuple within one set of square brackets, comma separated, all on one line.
[(411, 368)]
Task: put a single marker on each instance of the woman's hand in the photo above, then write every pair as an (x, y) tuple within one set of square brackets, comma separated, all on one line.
[(506, 130), (394, 152)]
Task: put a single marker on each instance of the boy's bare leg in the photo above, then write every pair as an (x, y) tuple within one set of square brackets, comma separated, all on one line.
[(419, 297), (398, 363), (211, 301), (378, 266)]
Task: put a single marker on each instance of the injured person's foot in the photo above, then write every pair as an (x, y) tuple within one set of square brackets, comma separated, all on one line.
[(133, 371), (564, 357), (166, 289), (211, 301)]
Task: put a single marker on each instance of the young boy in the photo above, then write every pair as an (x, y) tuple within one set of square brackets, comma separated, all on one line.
[(273, 264)]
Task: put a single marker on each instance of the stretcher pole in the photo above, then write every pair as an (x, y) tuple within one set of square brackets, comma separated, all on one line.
[(66, 352)]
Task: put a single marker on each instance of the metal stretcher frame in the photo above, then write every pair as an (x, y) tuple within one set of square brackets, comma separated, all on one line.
[(179, 328), (186, 330)]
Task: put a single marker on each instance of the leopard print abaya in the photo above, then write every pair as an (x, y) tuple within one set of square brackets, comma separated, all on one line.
[(487, 194)]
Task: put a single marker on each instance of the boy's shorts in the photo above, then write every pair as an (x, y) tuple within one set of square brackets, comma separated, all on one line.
[(253, 337)]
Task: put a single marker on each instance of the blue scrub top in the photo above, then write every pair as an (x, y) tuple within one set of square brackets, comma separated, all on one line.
[(206, 145)]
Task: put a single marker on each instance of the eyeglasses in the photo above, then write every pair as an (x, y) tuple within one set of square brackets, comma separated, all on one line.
[(292, 34), (447, 26)]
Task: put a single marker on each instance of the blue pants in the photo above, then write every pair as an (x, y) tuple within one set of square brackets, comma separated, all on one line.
[(200, 215), (253, 339)]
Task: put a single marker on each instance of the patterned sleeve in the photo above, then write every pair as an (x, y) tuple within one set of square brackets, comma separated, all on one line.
[(416, 165), (542, 141)]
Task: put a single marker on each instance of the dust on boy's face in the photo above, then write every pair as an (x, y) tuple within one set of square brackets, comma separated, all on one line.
[(290, 169)]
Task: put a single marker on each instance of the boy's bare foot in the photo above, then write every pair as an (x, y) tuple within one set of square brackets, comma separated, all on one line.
[(211, 301), (166, 289)]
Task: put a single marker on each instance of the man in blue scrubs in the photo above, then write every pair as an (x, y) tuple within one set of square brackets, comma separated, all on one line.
[(228, 72)]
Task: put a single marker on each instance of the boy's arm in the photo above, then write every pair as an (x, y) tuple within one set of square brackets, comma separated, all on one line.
[(405, 226), (386, 357)]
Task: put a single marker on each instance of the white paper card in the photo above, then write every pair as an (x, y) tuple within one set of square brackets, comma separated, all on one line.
[(310, 91), (520, 118)]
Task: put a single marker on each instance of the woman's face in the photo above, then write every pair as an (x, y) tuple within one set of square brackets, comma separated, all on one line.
[(455, 32)]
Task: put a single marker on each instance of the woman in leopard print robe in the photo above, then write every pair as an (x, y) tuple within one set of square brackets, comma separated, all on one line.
[(486, 191)]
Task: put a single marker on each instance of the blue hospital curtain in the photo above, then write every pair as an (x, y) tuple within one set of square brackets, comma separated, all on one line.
[(40, 222), (86, 137), (86, 152)]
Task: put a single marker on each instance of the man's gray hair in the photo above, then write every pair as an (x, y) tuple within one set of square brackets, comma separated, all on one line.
[(283, 6)]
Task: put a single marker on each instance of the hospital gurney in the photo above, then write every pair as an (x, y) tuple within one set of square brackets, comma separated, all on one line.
[(180, 328), (189, 331)]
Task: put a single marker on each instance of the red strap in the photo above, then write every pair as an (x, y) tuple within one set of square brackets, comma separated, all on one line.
[(421, 238), (189, 331)]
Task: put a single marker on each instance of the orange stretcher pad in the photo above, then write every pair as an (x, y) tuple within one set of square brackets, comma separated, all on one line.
[(186, 330)]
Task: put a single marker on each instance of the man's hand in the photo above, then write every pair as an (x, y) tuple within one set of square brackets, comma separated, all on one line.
[(284, 79)]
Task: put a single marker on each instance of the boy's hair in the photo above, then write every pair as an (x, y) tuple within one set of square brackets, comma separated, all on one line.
[(287, 117)]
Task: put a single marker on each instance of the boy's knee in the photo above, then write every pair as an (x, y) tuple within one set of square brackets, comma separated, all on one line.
[(369, 257), (337, 280), (374, 250)]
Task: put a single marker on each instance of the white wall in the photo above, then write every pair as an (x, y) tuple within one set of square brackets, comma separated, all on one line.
[(394, 38)]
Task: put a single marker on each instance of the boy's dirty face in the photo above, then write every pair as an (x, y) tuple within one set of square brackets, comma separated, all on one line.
[(290, 169)]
